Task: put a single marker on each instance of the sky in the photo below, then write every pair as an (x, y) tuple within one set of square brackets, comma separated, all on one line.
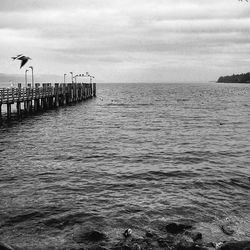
[(127, 40)]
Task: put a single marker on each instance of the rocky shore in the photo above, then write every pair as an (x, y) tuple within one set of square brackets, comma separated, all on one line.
[(173, 236)]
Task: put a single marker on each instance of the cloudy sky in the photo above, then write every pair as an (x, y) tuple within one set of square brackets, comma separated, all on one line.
[(127, 40)]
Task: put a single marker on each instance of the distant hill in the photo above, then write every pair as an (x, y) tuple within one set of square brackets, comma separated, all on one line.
[(240, 78)]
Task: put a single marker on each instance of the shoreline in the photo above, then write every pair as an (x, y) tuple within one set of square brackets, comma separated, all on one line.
[(170, 236)]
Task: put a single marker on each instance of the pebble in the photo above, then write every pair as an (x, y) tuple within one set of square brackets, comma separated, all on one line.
[(127, 233)]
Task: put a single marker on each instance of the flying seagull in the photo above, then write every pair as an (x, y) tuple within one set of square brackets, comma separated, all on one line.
[(15, 57), (24, 59)]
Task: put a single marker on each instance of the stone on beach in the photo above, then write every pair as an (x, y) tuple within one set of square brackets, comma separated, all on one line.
[(127, 232), (175, 228), (236, 245), (195, 236), (185, 242), (226, 229)]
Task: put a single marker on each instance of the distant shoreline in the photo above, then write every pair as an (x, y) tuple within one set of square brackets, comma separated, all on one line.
[(239, 78)]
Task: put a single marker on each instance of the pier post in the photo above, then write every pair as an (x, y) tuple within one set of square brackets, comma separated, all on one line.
[(56, 95), (36, 104), (25, 106), (69, 93), (42, 103), (46, 103), (77, 92), (80, 92), (94, 89), (36, 98), (32, 103), (51, 102), (23, 94), (18, 94), (8, 110), (29, 101), (18, 108), (84, 91), (29, 106), (74, 92), (0, 112), (7, 95), (64, 94)]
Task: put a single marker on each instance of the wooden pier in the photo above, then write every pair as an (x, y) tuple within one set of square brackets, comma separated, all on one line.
[(32, 100)]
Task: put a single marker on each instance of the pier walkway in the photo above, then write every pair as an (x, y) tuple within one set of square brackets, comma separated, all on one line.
[(32, 100)]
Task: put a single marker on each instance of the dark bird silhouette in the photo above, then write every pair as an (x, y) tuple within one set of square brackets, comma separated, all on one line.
[(15, 57), (23, 59)]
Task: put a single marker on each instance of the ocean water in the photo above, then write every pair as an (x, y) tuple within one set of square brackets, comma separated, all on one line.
[(137, 155)]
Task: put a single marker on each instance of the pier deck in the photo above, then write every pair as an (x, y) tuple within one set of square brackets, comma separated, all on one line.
[(45, 97)]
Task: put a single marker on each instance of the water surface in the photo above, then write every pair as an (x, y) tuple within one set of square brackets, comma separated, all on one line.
[(136, 156)]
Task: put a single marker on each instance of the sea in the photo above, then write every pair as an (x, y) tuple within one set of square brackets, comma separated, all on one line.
[(137, 156)]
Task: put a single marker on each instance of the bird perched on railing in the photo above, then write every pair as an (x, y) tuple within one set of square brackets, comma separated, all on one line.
[(24, 59)]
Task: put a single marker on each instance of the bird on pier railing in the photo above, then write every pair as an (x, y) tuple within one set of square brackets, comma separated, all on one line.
[(24, 59)]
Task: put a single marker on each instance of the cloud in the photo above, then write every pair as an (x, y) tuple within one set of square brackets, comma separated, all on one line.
[(126, 34)]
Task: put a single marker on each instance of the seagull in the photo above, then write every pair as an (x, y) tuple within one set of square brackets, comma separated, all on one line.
[(15, 57), (24, 59)]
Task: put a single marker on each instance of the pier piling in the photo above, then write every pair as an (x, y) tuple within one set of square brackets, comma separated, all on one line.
[(8, 110), (18, 108)]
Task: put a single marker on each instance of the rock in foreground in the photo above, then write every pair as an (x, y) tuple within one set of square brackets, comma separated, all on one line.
[(236, 245), (175, 228)]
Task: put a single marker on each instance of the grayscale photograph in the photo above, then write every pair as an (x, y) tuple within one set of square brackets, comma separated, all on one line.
[(125, 125)]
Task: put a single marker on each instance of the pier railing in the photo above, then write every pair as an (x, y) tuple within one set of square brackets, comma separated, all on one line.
[(47, 96)]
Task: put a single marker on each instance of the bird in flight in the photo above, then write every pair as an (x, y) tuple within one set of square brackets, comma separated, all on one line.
[(24, 59)]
